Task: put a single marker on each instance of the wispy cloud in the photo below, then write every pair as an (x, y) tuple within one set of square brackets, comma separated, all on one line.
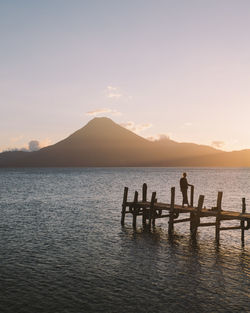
[(112, 88), (103, 111), (218, 144), (114, 95), (17, 138), (159, 137), (33, 145), (137, 128), (113, 92)]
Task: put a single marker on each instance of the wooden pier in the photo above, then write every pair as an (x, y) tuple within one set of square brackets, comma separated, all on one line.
[(152, 210)]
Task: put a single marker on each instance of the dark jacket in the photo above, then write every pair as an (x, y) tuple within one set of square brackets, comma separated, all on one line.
[(183, 184)]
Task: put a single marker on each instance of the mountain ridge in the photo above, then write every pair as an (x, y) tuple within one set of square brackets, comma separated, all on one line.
[(102, 142)]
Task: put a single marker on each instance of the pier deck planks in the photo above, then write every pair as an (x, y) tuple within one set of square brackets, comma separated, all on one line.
[(180, 209)]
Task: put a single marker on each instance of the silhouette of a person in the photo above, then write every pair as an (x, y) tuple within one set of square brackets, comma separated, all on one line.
[(184, 188)]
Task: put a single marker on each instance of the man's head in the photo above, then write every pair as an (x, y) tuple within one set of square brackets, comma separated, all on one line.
[(184, 174)]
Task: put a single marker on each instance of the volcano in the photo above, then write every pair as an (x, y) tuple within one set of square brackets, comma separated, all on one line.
[(103, 143)]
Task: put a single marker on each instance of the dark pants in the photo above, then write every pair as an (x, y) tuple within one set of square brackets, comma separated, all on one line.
[(184, 196)]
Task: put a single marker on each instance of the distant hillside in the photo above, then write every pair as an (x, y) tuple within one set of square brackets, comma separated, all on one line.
[(104, 143)]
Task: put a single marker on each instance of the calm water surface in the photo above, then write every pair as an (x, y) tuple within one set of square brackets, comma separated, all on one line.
[(63, 249)]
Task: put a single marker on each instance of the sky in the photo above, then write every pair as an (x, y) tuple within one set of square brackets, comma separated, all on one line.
[(158, 67)]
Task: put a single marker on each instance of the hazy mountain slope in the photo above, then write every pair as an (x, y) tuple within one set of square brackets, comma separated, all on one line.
[(223, 159), (104, 143)]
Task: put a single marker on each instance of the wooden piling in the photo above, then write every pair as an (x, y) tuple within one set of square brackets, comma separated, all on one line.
[(192, 196), (242, 223), (154, 214), (218, 216), (144, 199), (151, 209), (124, 204), (196, 218), (135, 209), (144, 192), (171, 212), (199, 208), (192, 221), (192, 215), (144, 217)]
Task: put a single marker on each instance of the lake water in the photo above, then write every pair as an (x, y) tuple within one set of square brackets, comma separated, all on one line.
[(63, 248)]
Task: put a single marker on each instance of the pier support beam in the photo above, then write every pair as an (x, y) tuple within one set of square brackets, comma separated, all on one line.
[(192, 215), (218, 216), (144, 192), (196, 218), (151, 209), (192, 222), (171, 212), (124, 204), (144, 199), (192, 196), (144, 217), (242, 223), (154, 214), (135, 209)]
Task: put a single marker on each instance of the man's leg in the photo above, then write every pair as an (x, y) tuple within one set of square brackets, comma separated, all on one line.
[(186, 198)]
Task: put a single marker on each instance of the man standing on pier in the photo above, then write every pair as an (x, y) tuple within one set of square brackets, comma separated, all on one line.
[(184, 188)]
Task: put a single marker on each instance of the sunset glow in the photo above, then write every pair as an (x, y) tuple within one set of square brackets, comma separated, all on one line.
[(178, 69)]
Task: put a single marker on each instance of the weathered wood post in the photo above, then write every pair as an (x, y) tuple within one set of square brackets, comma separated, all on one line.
[(196, 219), (151, 209), (199, 208), (171, 212), (218, 216), (192, 196), (135, 209), (144, 216), (144, 199), (242, 223), (154, 214), (192, 215), (144, 192), (192, 222), (124, 204)]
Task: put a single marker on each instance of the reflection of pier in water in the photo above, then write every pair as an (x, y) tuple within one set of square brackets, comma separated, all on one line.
[(152, 210)]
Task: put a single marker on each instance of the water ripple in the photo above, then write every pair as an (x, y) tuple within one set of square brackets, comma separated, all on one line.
[(63, 250)]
